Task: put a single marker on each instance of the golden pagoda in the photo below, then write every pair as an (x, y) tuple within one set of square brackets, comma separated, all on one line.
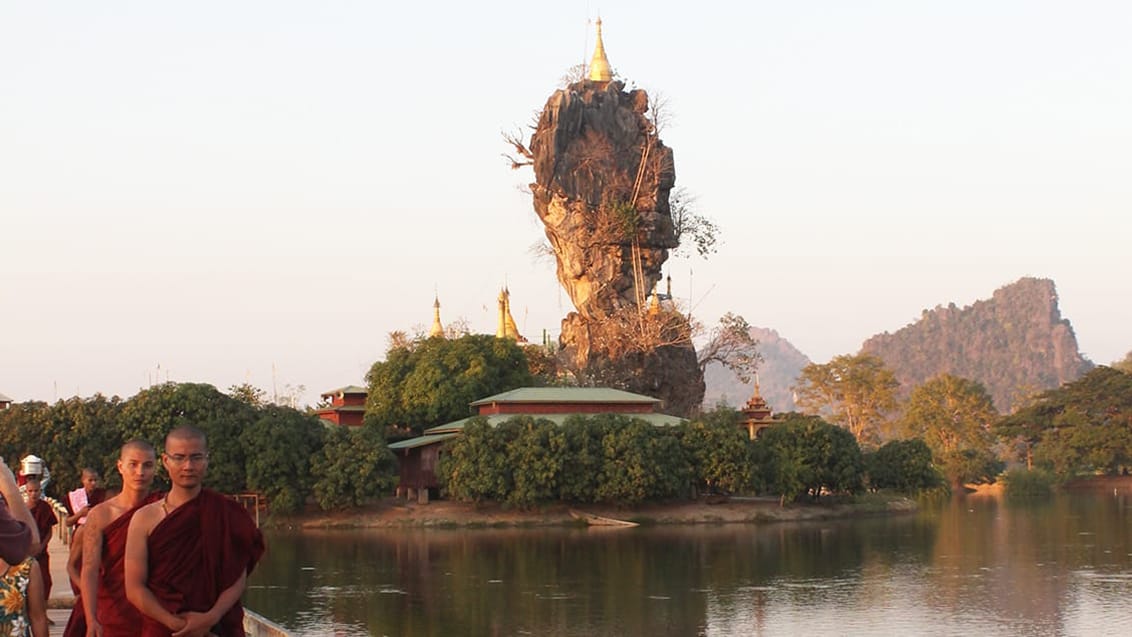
[(437, 328), (507, 327), (756, 414), (600, 70)]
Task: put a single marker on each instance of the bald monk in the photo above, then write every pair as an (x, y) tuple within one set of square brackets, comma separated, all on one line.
[(107, 611), (188, 556)]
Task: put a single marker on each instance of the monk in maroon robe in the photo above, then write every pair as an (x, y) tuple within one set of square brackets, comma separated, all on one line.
[(108, 613), (76, 623), (45, 520), (188, 556)]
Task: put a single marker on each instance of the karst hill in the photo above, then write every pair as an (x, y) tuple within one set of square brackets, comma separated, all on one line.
[(1015, 343)]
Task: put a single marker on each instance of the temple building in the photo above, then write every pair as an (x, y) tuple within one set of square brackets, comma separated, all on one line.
[(418, 458), (756, 415), (347, 406), (5, 402)]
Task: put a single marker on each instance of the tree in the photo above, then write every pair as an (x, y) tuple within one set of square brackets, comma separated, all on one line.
[(953, 416), (279, 447), (1082, 426), (904, 465), (353, 466), (583, 449), (154, 411), (639, 462), (475, 465), (720, 455), (806, 455), (434, 381), (731, 345), (690, 227), (855, 392), (535, 454)]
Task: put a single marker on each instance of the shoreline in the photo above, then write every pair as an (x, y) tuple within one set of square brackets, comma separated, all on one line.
[(392, 513)]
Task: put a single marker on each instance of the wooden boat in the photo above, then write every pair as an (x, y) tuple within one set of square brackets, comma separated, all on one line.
[(597, 520)]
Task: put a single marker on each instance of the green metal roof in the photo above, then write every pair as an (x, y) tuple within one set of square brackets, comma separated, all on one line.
[(566, 395), (421, 441), (348, 389), (656, 420)]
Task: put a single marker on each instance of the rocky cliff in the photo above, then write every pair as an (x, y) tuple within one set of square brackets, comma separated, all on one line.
[(1015, 343), (602, 183)]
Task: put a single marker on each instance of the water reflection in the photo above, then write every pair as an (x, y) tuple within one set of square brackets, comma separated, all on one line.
[(977, 565)]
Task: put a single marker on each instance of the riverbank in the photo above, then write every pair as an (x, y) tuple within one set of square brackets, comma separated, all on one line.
[(394, 513)]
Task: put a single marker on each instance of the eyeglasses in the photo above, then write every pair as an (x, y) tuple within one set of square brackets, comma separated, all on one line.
[(180, 458)]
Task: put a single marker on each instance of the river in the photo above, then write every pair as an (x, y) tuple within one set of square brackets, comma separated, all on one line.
[(970, 566)]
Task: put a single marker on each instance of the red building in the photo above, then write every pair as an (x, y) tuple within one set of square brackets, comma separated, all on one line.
[(418, 458), (5, 402), (347, 406)]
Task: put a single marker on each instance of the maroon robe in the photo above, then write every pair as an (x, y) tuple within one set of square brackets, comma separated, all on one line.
[(14, 536), (116, 614), (195, 553), (45, 520), (76, 624)]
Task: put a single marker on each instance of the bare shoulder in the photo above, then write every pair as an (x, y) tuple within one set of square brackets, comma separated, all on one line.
[(98, 517), (146, 518)]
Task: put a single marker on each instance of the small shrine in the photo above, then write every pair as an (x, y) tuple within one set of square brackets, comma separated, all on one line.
[(756, 415)]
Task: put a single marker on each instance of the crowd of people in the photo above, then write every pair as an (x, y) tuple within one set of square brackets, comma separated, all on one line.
[(155, 564)]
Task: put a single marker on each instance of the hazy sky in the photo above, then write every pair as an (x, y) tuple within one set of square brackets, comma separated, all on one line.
[(226, 188)]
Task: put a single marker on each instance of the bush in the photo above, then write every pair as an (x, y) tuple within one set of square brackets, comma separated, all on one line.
[(1028, 483)]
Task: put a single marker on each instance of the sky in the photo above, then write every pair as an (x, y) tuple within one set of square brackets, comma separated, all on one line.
[(254, 191)]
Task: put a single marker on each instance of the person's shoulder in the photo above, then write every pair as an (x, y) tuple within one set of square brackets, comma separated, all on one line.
[(99, 515)]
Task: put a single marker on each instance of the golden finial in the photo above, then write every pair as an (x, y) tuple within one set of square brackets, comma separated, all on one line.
[(437, 328), (600, 70)]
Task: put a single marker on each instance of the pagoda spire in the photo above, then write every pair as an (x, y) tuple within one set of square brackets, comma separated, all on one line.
[(600, 70), (437, 327)]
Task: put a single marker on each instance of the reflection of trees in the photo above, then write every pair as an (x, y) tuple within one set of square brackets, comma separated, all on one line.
[(975, 563)]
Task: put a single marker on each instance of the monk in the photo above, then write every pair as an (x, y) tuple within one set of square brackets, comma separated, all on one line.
[(188, 556), (107, 611), (45, 520), (92, 495), (76, 623)]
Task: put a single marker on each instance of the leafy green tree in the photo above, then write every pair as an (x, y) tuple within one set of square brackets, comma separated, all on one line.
[(640, 462), (84, 433), (953, 416), (855, 392), (584, 454), (475, 466), (720, 454), (353, 467), (248, 394), (279, 447), (1080, 427), (904, 465), (153, 412), (806, 455), (535, 452), (432, 381)]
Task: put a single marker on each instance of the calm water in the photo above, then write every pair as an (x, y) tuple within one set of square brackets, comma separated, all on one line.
[(978, 566)]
